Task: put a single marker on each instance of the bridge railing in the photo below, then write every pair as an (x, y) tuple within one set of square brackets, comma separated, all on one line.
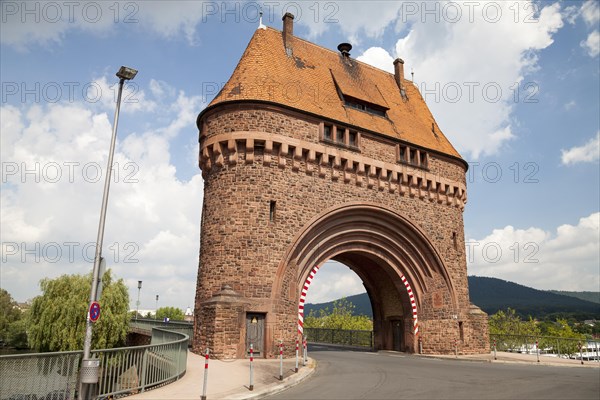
[(146, 325), (547, 345), (352, 338), (123, 371)]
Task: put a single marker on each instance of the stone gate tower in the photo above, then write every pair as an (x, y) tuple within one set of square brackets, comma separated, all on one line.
[(308, 155)]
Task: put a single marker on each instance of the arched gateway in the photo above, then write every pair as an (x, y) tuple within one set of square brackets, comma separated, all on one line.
[(309, 155)]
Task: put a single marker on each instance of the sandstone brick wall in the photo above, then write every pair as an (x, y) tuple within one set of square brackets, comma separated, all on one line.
[(254, 157)]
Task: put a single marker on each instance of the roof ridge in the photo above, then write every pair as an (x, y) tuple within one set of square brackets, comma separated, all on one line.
[(334, 52)]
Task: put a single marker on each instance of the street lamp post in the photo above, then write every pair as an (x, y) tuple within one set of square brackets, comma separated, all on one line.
[(137, 303), (156, 309), (89, 368)]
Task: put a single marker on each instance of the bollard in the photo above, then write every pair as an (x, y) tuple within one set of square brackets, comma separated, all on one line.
[(296, 370), (251, 387), (495, 349), (420, 345), (537, 350), (304, 351), (580, 353), (203, 397), (280, 360)]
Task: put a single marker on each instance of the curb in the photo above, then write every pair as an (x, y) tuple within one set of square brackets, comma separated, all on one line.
[(291, 381), (505, 361)]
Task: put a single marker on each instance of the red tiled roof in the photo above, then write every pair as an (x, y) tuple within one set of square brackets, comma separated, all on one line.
[(307, 81)]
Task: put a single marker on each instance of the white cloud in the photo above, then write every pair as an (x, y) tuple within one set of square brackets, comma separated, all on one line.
[(565, 260), (48, 23), (333, 281), (589, 152), (357, 19), (590, 11), (473, 65), (378, 57), (592, 44), (54, 159), (570, 105)]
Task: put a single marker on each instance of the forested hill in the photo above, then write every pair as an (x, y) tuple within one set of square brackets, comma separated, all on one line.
[(491, 295), (594, 297)]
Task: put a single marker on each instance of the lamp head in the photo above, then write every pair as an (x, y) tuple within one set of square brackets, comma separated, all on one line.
[(126, 73)]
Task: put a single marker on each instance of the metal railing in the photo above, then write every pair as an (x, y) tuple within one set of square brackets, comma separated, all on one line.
[(39, 375), (340, 337), (123, 371), (146, 325), (586, 349)]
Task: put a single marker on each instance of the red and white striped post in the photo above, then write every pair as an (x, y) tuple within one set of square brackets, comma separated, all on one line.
[(537, 350), (304, 355), (296, 370), (203, 397), (251, 387), (280, 360)]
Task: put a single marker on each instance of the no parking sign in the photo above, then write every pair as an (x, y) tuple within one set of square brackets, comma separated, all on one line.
[(94, 311)]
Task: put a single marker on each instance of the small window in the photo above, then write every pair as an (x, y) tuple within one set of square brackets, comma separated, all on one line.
[(272, 210), (423, 159), (353, 136), (339, 136), (403, 153), (413, 157), (327, 132)]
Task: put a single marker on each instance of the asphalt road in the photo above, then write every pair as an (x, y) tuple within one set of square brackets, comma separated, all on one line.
[(387, 375)]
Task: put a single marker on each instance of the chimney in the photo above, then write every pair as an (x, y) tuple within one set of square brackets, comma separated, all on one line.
[(288, 32), (345, 48), (399, 75)]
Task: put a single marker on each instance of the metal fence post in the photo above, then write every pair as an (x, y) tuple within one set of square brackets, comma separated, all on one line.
[(203, 397), (144, 369)]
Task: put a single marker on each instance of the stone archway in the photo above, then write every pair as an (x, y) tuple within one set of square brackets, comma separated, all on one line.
[(396, 262)]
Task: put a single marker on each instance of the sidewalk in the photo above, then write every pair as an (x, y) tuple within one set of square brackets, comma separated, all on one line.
[(230, 379), (506, 357)]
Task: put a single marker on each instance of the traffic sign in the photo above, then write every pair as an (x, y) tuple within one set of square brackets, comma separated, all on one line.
[(94, 311)]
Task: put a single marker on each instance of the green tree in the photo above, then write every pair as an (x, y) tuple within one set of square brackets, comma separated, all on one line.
[(17, 334), (58, 316), (9, 314), (341, 317), (173, 313), (512, 332), (567, 340)]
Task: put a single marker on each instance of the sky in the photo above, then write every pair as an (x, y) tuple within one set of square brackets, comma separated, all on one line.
[(514, 85)]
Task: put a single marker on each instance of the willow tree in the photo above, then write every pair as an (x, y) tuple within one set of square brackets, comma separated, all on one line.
[(58, 316)]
